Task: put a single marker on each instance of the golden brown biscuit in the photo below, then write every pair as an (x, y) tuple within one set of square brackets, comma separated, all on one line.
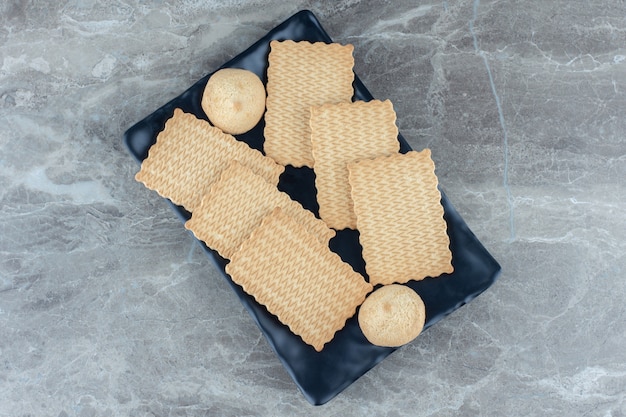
[(298, 279), (234, 100), (392, 316), (190, 154), (301, 75), (400, 218), (344, 133)]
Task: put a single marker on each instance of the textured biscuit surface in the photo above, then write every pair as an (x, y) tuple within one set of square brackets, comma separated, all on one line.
[(392, 316), (235, 206), (344, 133), (301, 75), (299, 280), (190, 154), (400, 218), (234, 100)]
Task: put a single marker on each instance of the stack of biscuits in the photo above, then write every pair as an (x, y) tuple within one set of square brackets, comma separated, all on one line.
[(278, 251)]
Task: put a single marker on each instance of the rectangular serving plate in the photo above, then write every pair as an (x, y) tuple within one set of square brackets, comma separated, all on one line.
[(320, 376)]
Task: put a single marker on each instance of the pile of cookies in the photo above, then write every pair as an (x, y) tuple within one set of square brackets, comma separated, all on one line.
[(278, 251)]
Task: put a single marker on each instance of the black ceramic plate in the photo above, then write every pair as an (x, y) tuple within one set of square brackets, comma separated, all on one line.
[(322, 375)]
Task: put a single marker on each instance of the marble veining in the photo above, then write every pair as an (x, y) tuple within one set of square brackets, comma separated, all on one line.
[(505, 139), (108, 306)]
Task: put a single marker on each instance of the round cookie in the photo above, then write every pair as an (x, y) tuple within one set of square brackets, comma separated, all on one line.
[(234, 100), (392, 316)]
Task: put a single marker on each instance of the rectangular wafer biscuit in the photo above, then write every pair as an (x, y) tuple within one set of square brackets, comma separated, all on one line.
[(301, 75), (235, 206), (344, 133), (400, 218), (189, 155), (298, 279)]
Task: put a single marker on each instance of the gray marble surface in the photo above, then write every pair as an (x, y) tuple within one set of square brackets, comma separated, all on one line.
[(108, 307)]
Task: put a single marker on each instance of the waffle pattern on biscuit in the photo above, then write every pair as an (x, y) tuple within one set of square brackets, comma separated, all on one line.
[(299, 280), (400, 218), (301, 75), (344, 133), (190, 154)]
